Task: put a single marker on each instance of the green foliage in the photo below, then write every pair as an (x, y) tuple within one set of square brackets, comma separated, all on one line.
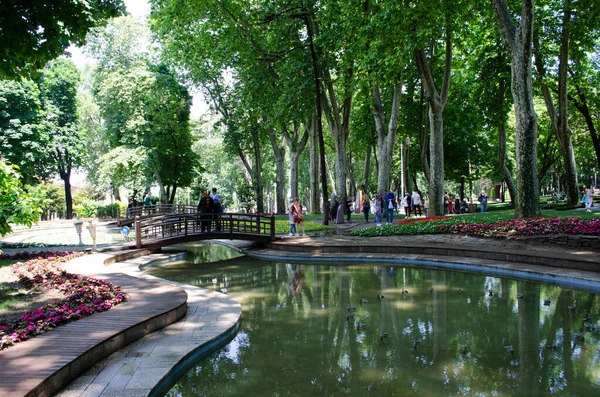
[(36, 31), (17, 207), (51, 199), (23, 138)]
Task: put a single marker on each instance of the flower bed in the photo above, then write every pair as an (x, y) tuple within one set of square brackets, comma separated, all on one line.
[(528, 227), (83, 296)]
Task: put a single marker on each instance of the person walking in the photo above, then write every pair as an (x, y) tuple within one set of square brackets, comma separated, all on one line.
[(366, 207), (390, 206), (406, 205), (299, 216), (377, 206), (483, 199), (205, 208), (416, 202), (218, 208), (590, 198), (426, 204), (292, 213)]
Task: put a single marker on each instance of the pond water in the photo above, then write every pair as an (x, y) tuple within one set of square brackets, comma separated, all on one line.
[(433, 333)]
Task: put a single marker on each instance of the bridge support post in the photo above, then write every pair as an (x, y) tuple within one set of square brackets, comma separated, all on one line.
[(258, 224), (138, 232), (185, 232), (272, 227)]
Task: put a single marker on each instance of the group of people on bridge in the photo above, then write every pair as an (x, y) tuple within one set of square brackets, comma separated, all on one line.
[(210, 205)]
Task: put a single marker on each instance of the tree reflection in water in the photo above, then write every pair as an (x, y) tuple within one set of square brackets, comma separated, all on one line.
[(300, 342)]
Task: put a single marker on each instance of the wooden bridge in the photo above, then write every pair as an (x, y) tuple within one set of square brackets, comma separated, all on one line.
[(154, 231)]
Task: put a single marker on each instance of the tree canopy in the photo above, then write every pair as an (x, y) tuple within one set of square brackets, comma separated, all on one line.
[(32, 32)]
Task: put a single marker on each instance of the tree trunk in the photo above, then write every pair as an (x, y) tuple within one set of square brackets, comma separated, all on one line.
[(502, 144), (314, 166), (316, 77), (386, 138), (367, 170), (423, 138), (564, 132), (519, 45), (339, 125), (405, 186), (296, 145), (258, 186), (436, 103), (279, 153), (65, 175), (559, 121), (582, 106)]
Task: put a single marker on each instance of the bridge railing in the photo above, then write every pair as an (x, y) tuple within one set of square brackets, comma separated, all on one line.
[(231, 225), (150, 211)]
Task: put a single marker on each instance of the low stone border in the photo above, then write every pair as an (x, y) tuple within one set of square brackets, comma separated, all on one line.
[(149, 365)]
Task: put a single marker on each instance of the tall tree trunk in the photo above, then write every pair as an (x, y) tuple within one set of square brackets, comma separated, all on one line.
[(339, 125), (65, 175), (559, 121), (316, 77), (423, 137), (367, 170), (279, 153), (314, 166), (405, 186), (258, 185), (581, 105), (518, 41), (502, 144), (296, 144), (564, 132), (436, 103), (386, 138)]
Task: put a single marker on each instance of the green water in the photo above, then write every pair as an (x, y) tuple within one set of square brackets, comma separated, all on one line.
[(296, 338)]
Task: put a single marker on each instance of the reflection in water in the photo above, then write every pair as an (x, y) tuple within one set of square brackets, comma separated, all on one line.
[(445, 335)]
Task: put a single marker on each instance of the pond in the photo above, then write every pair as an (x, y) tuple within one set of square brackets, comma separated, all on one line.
[(352, 330)]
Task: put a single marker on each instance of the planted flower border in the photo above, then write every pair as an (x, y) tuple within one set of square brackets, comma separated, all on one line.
[(83, 296), (503, 229)]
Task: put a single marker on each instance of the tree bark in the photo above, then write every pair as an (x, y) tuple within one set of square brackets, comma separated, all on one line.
[(559, 121), (405, 186), (436, 103), (296, 144), (314, 166), (339, 125), (518, 41), (279, 153), (582, 107), (316, 76), (258, 185), (367, 170), (502, 144), (386, 138), (65, 175)]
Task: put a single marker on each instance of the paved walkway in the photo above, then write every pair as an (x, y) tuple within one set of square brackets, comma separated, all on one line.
[(135, 369)]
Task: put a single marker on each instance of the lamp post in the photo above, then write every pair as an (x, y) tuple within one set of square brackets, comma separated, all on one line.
[(92, 229), (78, 224)]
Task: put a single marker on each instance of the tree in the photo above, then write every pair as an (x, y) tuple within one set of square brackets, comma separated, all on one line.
[(36, 31), (16, 206), (436, 101), (58, 84), (145, 107), (23, 140), (518, 40)]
